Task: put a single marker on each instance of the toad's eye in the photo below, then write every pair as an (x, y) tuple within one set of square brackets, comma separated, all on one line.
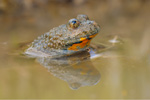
[(74, 23)]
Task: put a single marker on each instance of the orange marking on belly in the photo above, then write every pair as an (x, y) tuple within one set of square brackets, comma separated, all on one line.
[(82, 39), (93, 35), (85, 42)]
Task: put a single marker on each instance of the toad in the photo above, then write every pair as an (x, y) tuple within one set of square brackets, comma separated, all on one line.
[(66, 39)]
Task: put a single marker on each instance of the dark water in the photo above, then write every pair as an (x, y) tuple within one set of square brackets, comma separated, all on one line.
[(121, 71)]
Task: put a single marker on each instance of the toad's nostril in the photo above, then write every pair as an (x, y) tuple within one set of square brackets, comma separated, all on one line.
[(88, 22), (94, 23)]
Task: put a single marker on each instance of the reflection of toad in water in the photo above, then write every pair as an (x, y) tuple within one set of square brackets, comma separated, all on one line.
[(77, 70)]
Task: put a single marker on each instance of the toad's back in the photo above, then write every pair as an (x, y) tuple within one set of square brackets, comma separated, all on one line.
[(65, 39)]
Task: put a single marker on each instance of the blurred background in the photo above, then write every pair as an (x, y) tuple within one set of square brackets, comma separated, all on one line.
[(125, 69)]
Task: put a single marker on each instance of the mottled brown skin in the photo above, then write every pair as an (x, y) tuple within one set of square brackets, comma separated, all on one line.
[(65, 39)]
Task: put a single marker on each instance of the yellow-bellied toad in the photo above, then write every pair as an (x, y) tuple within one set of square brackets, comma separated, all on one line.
[(65, 39)]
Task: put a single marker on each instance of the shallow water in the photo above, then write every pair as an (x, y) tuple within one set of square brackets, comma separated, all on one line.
[(120, 71)]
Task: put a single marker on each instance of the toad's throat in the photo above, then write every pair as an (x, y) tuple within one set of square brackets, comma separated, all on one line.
[(83, 43)]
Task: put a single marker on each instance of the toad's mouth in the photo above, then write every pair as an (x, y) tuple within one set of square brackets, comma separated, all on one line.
[(83, 43)]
